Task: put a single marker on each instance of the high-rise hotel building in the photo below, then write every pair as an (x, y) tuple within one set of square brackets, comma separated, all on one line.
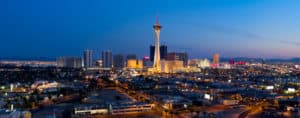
[(88, 58), (107, 59)]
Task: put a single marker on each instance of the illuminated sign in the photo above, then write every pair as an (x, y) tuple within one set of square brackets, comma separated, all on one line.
[(270, 87), (207, 96), (291, 90)]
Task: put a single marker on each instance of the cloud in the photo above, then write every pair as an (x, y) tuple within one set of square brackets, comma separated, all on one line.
[(247, 34), (231, 31), (291, 43)]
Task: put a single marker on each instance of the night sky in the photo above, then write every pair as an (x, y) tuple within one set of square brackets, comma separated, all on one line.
[(233, 28)]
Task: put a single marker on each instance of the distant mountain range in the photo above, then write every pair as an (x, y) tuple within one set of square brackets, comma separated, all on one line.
[(247, 59), (28, 59), (269, 60)]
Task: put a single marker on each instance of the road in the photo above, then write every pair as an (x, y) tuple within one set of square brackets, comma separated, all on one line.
[(222, 111), (254, 111)]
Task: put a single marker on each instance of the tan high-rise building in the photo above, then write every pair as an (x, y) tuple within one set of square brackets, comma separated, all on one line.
[(216, 58)]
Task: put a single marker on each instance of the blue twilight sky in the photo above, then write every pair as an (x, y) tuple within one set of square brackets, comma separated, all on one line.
[(233, 28)]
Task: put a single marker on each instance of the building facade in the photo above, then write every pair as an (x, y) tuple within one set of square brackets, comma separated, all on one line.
[(107, 59), (134, 64), (180, 56), (216, 58), (172, 66), (69, 62), (88, 58), (131, 56), (118, 61), (163, 49), (183, 56)]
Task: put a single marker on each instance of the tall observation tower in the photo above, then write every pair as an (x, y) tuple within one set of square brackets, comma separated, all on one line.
[(156, 63)]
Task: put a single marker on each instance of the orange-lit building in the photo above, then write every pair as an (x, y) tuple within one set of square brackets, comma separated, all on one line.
[(216, 58), (172, 66), (134, 64)]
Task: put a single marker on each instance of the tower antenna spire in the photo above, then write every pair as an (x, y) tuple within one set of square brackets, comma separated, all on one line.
[(157, 19)]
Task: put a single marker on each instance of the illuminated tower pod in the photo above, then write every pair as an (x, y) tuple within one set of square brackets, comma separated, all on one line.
[(156, 63)]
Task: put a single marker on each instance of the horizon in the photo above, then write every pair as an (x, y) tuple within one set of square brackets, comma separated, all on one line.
[(33, 29), (222, 59)]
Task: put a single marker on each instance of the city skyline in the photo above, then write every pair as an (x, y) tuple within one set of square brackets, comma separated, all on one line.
[(149, 59), (201, 28)]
